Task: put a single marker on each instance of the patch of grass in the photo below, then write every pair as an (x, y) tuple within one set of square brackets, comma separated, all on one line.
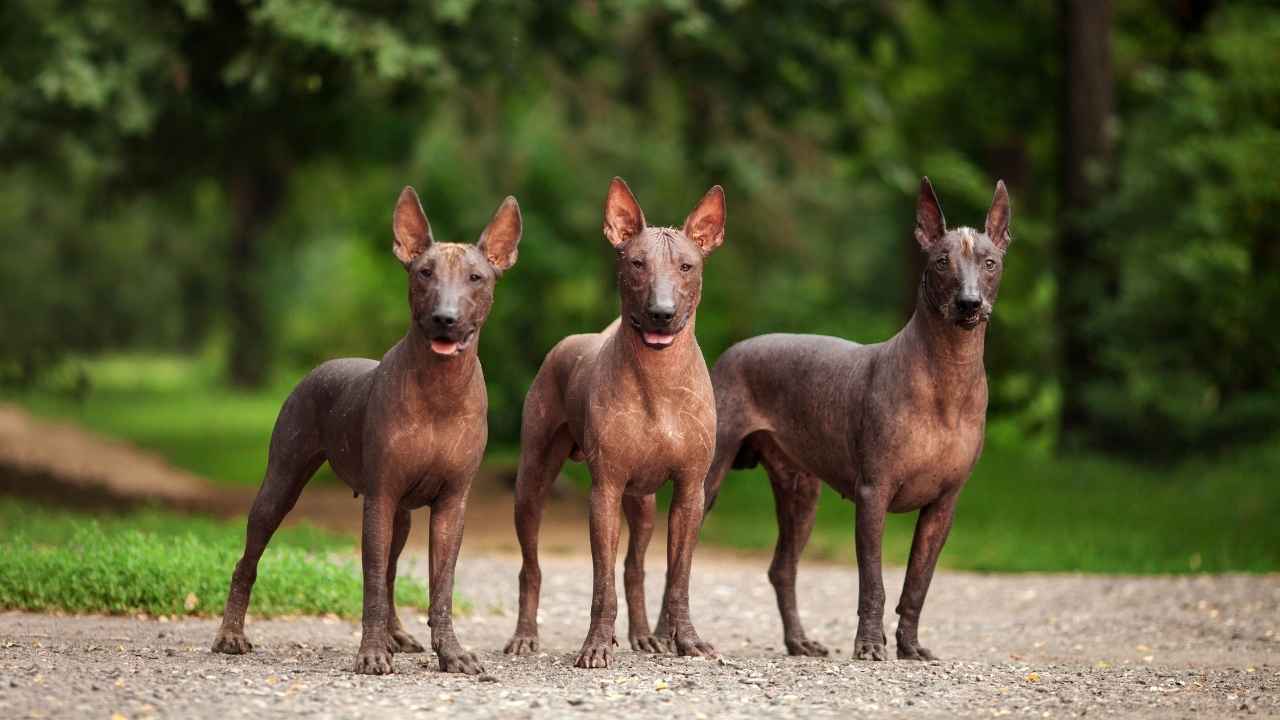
[(165, 564), (1020, 513), (174, 406)]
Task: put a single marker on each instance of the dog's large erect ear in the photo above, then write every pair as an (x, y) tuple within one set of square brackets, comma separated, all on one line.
[(998, 217), (705, 225), (501, 238), (623, 218), (410, 226), (930, 225)]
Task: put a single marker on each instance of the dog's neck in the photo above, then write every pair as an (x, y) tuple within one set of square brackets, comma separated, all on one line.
[(949, 350), (438, 376), (652, 366)]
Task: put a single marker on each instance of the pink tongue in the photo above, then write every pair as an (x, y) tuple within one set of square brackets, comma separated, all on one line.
[(444, 347), (654, 338)]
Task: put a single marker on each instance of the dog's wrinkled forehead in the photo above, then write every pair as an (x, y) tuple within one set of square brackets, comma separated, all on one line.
[(663, 243), (965, 242), (459, 257)]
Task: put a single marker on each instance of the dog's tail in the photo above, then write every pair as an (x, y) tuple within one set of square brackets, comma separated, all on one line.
[(734, 450)]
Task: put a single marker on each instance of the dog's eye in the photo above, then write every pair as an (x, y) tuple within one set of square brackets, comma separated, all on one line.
[(685, 267), (475, 277), (991, 264), (425, 272), (637, 263), (943, 261)]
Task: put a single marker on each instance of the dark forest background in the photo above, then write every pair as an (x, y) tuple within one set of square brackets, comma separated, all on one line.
[(215, 179)]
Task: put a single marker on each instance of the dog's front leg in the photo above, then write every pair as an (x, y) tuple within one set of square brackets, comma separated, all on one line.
[(932, 528), (640, 512), (869, 536), (682, 535), (374, 657), (606, 500), (447, 514)]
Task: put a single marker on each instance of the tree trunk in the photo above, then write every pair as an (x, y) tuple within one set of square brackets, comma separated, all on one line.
[(255, 199), (1086, 155)]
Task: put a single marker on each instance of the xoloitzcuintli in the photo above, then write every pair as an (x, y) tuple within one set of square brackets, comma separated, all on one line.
[(635, 403), (896, 426), (405, 432)]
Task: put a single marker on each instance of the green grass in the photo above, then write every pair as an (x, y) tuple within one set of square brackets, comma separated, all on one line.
[(165, 564), (1022, 511), (1086, 514), (173, 406)]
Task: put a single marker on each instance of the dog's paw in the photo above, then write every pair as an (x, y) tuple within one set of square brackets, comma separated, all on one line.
[(869, 650), (914, 651), (232, 643), (649, 644), (807, 648), (373, 662), (690, 645), (403, 642), (457, 660), (521, 645), (595, 654)]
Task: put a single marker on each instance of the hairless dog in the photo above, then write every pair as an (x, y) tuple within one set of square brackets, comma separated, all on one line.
[(635, 403), (896, 426), (406, 432)]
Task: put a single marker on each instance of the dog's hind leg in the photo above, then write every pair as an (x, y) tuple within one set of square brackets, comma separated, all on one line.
[(795, 497), (640, 512), (295, 455), (401, 640), (544, 448)]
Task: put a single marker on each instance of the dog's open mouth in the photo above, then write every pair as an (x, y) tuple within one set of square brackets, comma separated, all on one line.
[(970, 322), (655, 339), (449, 346)]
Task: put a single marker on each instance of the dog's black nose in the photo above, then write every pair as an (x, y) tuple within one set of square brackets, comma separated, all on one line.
[(968, 304), (662, 314), (445, 319)]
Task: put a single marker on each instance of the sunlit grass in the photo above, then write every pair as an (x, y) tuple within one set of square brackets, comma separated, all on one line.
[(166, 564)]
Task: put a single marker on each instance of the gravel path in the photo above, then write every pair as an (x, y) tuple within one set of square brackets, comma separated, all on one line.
[(1025, 645)]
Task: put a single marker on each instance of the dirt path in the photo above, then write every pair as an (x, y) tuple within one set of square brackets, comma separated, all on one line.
[(1027, 645)]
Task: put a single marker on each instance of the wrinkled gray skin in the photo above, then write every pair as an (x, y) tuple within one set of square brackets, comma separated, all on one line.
[(896, 426), (405, 432), (635, 403)]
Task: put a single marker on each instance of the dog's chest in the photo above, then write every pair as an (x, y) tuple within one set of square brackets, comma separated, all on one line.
[(927, 454), (647, 445)]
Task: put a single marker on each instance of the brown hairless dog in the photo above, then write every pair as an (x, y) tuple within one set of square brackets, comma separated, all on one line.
[(896, 426), (635, 403), (406, 432)]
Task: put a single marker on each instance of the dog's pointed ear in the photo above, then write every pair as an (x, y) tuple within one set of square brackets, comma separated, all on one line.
[(500, 240), (998, 217), (623, 218), (705, 225), (930, 225), (410, 226)]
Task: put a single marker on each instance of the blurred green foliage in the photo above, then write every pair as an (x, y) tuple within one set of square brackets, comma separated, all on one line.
[(132, 132)]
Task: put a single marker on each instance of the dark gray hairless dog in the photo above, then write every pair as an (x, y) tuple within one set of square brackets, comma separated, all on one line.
[(896, 426), (405, 432), (635, 403)]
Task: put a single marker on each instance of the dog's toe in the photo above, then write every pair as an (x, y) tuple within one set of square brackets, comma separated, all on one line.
[(869, 650), (405, 643), (807, 648), (232, 644), (373, 662), (594, 655), (461, 662), (521, 645), (648, 644), (914, 651)]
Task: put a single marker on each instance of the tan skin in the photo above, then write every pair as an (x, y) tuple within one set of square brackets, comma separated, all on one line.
[(405, 433), (634, 403), (896, 426)]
